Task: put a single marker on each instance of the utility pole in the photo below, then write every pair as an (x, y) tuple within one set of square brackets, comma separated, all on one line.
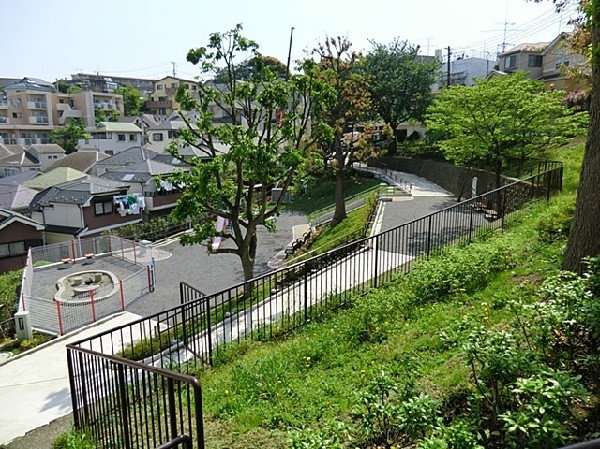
[(448, 65), (287, 71), (174, 72)]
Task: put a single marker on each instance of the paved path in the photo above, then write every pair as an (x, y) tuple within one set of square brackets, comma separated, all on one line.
[(34, 387)]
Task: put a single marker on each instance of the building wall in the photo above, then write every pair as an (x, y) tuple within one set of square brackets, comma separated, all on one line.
[(18, 232), (62, 215)]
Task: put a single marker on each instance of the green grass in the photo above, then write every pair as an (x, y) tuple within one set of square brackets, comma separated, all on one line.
[(322, 193), (410, 328)]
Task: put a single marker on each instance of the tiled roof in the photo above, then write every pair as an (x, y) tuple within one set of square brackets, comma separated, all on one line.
[(80, 160), (130, 156), (47, 148), (142, 172), (78, 192), (54, 177)]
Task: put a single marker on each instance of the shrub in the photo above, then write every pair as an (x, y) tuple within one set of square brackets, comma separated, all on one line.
[(73, 440)]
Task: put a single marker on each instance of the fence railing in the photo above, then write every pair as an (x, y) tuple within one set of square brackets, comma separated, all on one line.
[(61, 315), (201, 330)]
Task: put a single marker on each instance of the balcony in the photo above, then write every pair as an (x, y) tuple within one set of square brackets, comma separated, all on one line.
[(37, 105), (39, 120), (67, 113), (3, 104), (165, 104), (170, 91), (105, 106)]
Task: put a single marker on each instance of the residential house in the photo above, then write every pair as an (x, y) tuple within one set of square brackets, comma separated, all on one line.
[(46, 154), (559, 55), (42, 181), (14, 195), (111, 137), (528, 57), (131, 156), (36, 157), (83, 208), (162, 101), (160, 196), (17, 234), (84, 161)]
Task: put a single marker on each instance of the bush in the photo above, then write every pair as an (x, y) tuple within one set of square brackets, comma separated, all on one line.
[(74, 440)]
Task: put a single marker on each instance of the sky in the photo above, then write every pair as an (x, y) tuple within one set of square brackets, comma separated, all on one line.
[(52, 39)]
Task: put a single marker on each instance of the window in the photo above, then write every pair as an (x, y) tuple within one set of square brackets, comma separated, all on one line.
[(132, 137), (174, 85), (17, 115), (121, 137), (534, 61), (159, 87), (157, 137), (8, 249), (103, 207), (510, 62), (173, 134)]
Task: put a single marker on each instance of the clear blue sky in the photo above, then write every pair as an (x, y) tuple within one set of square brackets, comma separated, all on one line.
[(53, 39)]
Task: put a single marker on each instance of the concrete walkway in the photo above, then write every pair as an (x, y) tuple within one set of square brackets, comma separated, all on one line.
[(34, 387)]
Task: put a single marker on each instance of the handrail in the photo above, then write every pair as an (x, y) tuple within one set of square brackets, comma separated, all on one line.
[(175, 442)]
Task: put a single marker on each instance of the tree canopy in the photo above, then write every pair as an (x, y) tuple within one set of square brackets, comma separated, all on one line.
[(399, 83), (258, 144), (68, 136), (255, 65), (498, 120), (132, 99), (337, 67)]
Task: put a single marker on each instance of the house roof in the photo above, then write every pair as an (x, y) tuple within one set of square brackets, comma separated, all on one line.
[(556, 40), (129, 156), (23, 159), (54, 177), (531, 47), (115, 127), (9, 150), (10, 216), (141, 172), (83, 161), (30, 84), (47, 148), (18, 178), (77, 192), (16, 196)]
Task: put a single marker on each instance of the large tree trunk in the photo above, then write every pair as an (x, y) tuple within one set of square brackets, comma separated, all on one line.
[(394, 144), (248, 257), (585, 232), (340, 198)]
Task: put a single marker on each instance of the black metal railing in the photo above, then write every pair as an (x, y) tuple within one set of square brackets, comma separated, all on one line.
[(150, 351)]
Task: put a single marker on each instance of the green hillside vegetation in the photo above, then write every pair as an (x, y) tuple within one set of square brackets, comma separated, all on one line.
[(488, 345)]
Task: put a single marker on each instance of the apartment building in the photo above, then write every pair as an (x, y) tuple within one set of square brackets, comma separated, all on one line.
[(31, 108), (162, 101)]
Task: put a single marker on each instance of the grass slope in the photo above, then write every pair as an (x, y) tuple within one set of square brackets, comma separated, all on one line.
[(412, 329)]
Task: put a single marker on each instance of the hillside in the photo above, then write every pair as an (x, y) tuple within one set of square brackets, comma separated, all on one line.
[(480, 346)]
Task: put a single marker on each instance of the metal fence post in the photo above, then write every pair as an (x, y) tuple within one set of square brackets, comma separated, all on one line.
[(305, 292), (124, 405), (209, 332), (376, 263), (429, 236)]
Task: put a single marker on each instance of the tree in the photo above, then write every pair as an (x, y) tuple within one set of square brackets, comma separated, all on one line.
[(498, 120), (257, 149), (338, 68), (68, 136), (245, 70), (399, 83), (132, 99), (584, 239)]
